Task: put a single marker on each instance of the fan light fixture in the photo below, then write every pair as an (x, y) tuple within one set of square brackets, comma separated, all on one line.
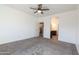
[(39, 11)]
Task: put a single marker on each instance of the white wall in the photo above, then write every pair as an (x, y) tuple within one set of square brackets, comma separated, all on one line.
[(77, 41), (67, 26), (16, 25)]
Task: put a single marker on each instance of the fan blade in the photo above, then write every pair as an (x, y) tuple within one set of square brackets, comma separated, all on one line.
[(33, 8), (44, 9)]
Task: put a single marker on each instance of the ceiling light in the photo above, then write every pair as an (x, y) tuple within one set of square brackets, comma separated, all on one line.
[(39, 11)]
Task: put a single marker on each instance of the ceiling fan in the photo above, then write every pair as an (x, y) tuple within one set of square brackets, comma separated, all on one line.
[(39, 9)]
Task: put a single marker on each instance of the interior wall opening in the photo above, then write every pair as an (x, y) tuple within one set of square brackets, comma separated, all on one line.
[(41, 28), (54, 28)]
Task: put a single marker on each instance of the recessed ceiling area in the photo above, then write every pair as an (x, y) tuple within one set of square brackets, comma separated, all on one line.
[(54, 8)]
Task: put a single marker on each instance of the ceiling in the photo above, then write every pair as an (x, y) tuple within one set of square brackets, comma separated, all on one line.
[(54, 8)]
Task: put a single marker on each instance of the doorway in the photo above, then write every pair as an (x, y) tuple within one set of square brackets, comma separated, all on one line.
[(41, 28), (54, 28)]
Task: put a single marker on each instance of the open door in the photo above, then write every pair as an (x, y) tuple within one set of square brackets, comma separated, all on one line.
[(41, 28)]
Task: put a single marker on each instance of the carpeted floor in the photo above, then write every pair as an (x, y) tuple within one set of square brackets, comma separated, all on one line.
[(38, 46)]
